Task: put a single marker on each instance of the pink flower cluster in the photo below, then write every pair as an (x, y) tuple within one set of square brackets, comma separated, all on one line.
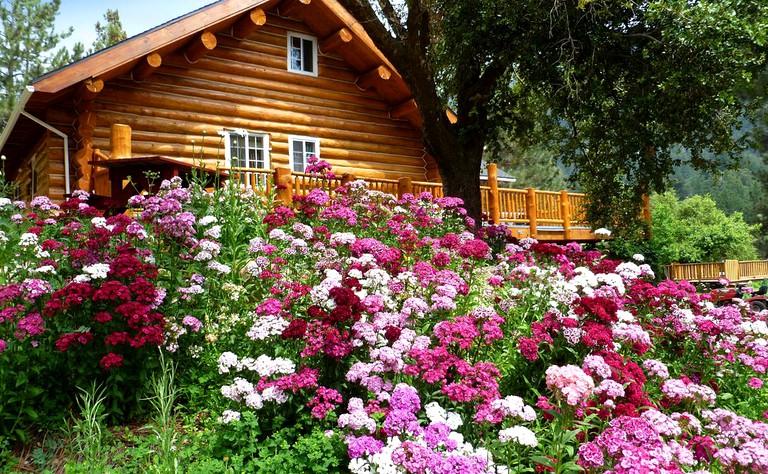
[(570, 383)]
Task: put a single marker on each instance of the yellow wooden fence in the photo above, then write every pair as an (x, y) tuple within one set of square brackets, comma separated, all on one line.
[(733, 270)]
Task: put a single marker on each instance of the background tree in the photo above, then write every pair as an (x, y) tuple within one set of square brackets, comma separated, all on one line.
[(110, 33), (691, 230), (532, 167), (613, 84), (28, 43)]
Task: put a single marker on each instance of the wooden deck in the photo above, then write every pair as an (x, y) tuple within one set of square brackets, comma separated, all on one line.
[(710, 272), (549, 216)]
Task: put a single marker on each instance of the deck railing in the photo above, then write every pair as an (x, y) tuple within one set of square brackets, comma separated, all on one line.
[(733, 270), (546, 215)]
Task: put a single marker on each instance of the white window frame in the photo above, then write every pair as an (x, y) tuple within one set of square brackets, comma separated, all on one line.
[(302, 37), (304, 141), (234, 161)]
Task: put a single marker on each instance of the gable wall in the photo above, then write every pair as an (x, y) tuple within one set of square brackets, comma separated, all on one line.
[(245, 84)]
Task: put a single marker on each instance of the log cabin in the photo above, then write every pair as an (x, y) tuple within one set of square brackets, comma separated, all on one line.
[(245, 85), (248, 83)]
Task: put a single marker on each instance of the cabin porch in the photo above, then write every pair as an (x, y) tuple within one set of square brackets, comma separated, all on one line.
[(548, 216)]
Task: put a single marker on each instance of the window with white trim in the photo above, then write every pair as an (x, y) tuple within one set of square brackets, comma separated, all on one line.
[(246, 150), (300, 149), (302, 54)]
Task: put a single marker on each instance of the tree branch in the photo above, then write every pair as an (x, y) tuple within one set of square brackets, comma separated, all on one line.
[(391, 46), (392, 17)]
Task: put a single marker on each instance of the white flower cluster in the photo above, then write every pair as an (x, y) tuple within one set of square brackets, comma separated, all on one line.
[(219, 267), (228, 416), (437, 414), (28, 240), (264, 365), (342, 238), (520, 435), (320, 294), (207, 220), (100, 222), (514, 406), (266, 326), (97, 271)]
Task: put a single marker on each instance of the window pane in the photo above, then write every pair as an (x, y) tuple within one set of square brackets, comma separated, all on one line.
[(298, 155), (296, 59), (309, 149), (237, 150), (308, 51)]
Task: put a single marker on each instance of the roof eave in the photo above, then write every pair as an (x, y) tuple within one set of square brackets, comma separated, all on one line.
[(26, 94)]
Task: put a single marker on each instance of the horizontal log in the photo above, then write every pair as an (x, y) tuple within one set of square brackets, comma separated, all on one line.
[(244, 69), (175, 122), (374, 77), (89, 89), (234, 94), (146, 66), (381, 153), (338, 39), (249, 23), (257, 113), (364, 103), (201, 45), (337, 71)]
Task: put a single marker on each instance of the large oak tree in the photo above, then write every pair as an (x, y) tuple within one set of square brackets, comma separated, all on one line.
[(612, 85)]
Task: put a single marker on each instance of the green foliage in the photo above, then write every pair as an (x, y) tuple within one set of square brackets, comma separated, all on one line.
[(109, 33), (695, 230), (611, 85), (28, 46), (535, 167), (88, 431), (162, 399)]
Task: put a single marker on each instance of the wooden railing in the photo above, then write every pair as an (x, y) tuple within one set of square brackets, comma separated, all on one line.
[(733, 270), (545, 215)]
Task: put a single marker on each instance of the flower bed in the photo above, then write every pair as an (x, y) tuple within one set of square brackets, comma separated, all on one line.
[(364, 334)]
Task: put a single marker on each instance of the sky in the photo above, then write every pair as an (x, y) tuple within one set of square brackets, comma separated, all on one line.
[(136, 16)]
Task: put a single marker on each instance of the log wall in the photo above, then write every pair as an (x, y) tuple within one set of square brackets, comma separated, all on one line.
[(34, 175), (179, 109)]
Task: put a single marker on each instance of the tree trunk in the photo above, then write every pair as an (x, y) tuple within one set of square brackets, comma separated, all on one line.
[(462, 179), (459, 165)]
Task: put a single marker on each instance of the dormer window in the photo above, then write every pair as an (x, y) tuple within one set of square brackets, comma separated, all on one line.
[(302, 54)]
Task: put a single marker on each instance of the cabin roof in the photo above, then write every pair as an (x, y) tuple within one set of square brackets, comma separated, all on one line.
[(325, 18)]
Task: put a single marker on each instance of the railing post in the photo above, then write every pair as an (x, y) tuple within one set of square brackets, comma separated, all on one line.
[(404, 186), (120, 141), (283, 183), (347, 178), (565, 212), (493, 194), (532, 211)]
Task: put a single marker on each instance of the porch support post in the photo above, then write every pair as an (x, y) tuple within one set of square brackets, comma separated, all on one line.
[(283, 183), (493, 195), (404, 186), (565, 212), (120, 141), (347, 178), (531, 208)]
